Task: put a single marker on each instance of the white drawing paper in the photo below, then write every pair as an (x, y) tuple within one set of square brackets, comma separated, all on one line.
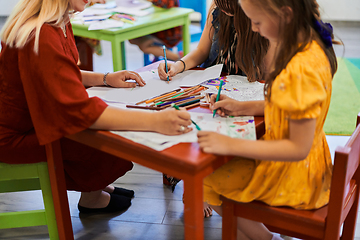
[(155, 86), (236, 127)]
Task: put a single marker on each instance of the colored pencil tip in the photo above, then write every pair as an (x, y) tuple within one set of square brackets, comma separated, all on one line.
[(175, 106)]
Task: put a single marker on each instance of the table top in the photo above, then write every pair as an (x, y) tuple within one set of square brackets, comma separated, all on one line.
[(185, 156), (158, 16)]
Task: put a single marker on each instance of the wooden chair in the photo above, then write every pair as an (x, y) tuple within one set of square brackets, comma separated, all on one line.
[(323, 223), (48, 177), (27, 177)]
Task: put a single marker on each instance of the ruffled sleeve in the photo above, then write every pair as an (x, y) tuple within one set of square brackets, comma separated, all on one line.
[(299, 90)]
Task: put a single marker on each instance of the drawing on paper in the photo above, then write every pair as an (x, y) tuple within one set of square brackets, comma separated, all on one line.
[(237, 87), (236, 127)]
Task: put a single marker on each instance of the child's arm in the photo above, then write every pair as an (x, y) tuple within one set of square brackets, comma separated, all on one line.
[(294, 148), (229, 107), (201, 52), (195, 57)]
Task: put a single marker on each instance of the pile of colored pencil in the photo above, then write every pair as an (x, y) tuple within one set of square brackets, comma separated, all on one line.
[(187, 98)]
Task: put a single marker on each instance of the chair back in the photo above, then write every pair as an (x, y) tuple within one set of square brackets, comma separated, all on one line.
[(324, 223), (344, 192)]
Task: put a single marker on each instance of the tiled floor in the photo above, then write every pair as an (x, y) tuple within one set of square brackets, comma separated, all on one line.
[(156, 212)]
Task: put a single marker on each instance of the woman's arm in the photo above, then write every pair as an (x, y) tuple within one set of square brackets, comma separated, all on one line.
[(117, 79), (168, 121), (294, 148)]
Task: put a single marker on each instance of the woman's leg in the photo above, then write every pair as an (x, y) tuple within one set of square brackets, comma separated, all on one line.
[(95, 199)]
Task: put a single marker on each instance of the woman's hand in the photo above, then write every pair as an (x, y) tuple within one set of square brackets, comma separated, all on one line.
[(215, 143), (172, 122), (172, 70), (120, 79)]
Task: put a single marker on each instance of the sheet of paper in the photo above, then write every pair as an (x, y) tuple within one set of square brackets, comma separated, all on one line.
[(236, 127), (237, 87), (108, 23), (134, 12), (154, 86), (91, 11), (135, 4)]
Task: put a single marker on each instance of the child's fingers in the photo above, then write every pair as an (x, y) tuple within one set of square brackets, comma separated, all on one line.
[(161, 71)]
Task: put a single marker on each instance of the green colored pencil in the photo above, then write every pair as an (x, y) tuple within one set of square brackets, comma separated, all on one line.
[(177, 108), (218, 95)]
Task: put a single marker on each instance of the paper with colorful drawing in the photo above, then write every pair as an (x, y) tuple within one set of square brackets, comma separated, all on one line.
[(237, 87), (236, 127)]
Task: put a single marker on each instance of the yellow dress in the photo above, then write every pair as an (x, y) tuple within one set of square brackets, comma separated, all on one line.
[(301, 90)]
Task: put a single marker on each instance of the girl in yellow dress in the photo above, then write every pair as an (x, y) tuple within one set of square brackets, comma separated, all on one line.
[(291, 165)]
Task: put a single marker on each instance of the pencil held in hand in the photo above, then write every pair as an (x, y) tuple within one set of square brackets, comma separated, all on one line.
[(218, 95), (166, 67), (177, 108)]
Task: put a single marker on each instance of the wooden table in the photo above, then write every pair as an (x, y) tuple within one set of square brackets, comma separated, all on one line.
[(184, 161), (160, 19)]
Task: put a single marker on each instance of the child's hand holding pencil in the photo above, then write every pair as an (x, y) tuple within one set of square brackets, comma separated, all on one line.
[(226, 106), (173, 69)]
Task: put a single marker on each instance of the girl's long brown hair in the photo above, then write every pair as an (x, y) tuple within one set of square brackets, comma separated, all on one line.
[(251, 47), (304, 12)]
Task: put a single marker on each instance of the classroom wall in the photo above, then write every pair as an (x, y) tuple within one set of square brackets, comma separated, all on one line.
[(6, 6), (344, 10), (335, 10)]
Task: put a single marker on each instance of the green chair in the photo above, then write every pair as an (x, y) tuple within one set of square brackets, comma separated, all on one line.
[(27, 177)]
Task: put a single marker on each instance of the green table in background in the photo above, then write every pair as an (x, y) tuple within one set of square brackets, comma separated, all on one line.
[(159, 20)]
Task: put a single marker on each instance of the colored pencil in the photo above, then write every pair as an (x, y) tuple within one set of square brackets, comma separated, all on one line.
[(180, 97), (198, 90), (184, 93), (161, 95), (207, 97), (189, 103), (197, 126), (160, 99), (192, 105), (218, 95), (189, 100), (145, 107), (166, 68), (176, 101)]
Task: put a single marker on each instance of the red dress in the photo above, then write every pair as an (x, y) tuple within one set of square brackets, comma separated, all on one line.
[(42, 99)]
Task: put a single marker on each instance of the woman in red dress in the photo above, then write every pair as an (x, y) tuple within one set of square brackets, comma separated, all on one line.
[(43, 98)]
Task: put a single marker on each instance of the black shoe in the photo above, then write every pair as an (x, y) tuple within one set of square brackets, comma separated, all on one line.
[(117, 203), (123, 192)]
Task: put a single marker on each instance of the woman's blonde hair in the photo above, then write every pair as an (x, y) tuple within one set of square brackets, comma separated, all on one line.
[(27, 18)]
